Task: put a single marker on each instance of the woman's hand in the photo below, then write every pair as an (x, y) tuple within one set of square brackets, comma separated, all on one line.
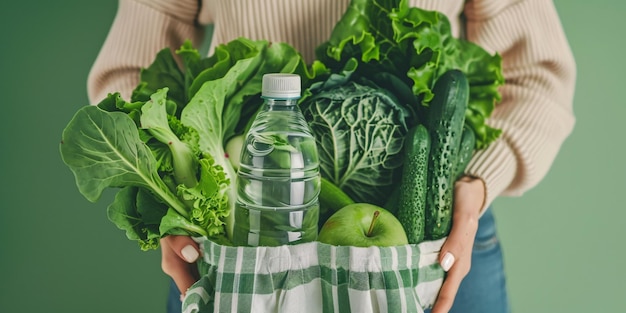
[(456, 252), (178, 257)]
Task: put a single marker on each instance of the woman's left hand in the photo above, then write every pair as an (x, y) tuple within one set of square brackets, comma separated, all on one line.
[(456, 252)]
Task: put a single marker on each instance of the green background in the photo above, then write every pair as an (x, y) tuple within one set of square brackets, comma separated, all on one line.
[(563, 241)]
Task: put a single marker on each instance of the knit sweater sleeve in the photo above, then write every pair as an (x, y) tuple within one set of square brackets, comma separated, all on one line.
[(536, 112), (140, 29)]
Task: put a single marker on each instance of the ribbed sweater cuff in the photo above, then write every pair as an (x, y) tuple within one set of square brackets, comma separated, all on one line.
[(496, 178)]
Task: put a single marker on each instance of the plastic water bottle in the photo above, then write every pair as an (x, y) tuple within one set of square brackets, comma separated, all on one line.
[(278, 180)]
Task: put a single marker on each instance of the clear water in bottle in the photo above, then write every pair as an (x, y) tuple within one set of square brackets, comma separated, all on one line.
[(278, 179)]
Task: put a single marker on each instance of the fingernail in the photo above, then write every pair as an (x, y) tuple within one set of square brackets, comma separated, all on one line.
[(447, 261), (190, 253)]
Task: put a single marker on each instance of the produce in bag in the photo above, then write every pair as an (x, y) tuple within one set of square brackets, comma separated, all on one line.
[(163, 149)]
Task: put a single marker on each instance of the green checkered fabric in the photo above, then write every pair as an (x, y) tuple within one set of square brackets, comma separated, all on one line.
[(316, 277)]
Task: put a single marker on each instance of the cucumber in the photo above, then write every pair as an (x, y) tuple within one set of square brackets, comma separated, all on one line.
[(446, 118), (411, 203), (466, 150)]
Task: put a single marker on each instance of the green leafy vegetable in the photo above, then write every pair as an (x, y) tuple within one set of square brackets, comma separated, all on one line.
[(154, 118), (393, 49), (103, 150), (165, 148), (137, 212), (417, 46)]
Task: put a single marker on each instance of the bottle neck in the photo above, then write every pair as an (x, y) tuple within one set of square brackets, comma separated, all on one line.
[(281, 102)]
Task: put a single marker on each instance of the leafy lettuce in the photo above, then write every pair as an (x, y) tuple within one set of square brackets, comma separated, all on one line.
[(164, 149), (417, 46)]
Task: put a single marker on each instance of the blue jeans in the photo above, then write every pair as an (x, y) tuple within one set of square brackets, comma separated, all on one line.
[(483, 289), (174, 305)]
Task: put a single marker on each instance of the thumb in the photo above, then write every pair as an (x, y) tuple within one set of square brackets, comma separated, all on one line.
[(178, 254), (184, 247)]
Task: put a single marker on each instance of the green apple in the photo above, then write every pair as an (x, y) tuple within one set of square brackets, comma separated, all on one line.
[(362, 225)]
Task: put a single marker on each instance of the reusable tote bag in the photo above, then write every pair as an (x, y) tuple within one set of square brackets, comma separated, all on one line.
[(316, 277)]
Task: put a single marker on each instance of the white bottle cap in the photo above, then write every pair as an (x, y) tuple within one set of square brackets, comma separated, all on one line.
[(281, 86)]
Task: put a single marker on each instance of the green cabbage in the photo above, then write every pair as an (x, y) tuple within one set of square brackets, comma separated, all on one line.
[(359, 129)]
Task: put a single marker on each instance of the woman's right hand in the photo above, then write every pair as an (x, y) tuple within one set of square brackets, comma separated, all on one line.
[(178, 257)]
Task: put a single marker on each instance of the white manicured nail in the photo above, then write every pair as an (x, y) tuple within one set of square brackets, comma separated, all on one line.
[(447, 261), (190, 254)]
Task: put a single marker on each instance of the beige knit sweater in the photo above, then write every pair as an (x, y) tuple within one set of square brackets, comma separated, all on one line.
[(535, 113)]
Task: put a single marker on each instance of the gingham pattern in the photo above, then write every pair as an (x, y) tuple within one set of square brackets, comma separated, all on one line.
[(316, 277)]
